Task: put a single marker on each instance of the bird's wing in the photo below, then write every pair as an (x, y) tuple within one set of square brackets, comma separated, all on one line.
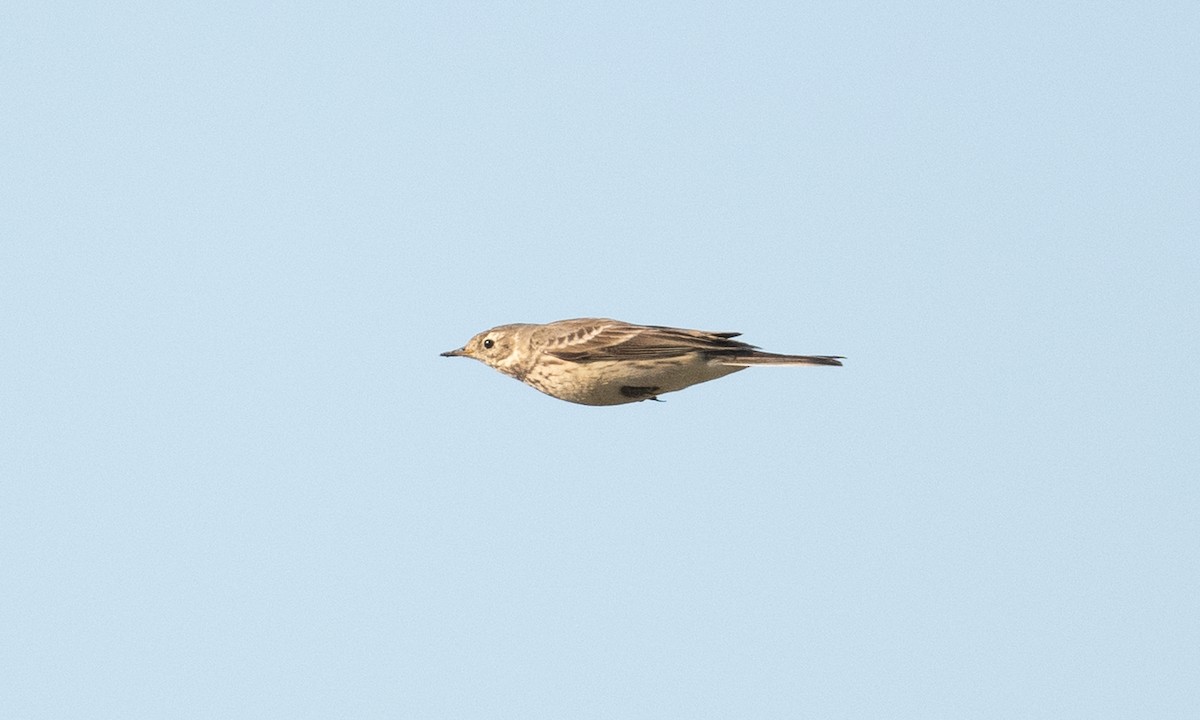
[(594, 340)]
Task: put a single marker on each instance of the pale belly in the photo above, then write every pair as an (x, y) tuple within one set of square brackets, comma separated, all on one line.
[(620, 382)]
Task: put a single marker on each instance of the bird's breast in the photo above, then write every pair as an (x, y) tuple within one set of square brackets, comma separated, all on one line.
[(609, 382)]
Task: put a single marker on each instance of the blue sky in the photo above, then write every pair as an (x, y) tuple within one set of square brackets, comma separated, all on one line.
[(238, 481)]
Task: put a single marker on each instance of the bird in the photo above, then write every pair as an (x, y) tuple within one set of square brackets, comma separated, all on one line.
[(598, 361)]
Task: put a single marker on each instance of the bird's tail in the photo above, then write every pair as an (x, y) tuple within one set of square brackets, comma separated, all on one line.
[(765, 358)]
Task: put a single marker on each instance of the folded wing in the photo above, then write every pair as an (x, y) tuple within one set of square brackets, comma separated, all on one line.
[(614, 340)]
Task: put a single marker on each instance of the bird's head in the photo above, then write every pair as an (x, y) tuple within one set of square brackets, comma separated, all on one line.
[(493, 347)]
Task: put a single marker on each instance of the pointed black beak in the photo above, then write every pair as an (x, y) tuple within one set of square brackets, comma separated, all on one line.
[(454, 353)]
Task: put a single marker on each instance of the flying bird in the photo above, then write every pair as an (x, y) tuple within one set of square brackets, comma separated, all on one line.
[(596, 361)]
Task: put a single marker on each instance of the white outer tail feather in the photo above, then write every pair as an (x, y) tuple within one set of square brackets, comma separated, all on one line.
[(762, 358)]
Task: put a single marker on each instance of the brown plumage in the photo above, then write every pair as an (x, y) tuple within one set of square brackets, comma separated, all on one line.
[(595, 361)]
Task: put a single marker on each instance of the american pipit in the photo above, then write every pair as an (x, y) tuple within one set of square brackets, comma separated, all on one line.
[(593, 361)]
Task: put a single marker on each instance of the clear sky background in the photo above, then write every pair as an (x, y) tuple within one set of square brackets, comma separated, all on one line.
[(237, 481)]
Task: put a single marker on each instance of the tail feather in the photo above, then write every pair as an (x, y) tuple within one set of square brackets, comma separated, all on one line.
[(765, 358)]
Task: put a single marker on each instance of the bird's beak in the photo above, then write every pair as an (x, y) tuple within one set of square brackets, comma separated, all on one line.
[(455, 353)]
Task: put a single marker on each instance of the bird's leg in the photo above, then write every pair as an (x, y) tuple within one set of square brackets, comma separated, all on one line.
[(641, 393)]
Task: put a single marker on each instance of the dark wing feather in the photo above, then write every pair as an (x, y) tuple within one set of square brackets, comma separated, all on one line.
[(615, 340)]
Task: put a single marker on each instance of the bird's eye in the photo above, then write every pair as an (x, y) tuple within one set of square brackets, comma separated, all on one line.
[(487, 344)]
